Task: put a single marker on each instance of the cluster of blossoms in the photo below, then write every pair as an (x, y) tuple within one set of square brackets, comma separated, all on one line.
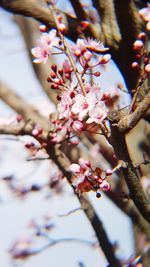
[(86, 178), (82, 105)]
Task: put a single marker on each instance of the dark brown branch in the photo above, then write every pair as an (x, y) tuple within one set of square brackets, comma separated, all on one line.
[(129, 121), (109, 25), (100, 232), (78, 8), (82, 16), (130, 26), (135, 189), (33, 9)]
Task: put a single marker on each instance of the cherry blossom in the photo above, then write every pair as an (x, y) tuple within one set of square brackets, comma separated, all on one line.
[(79, 48), (64, 106), (86, 179), (94, 45), (77, 125), (80, 106), (98, 113), (45, 45)]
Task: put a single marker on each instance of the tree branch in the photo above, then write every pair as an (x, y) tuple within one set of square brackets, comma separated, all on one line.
[(130, 25), (135, 189), (30, 8), (109, 25), (129, 121)]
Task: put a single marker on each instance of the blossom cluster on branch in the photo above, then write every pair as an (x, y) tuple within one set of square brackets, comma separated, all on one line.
[(82, 106)]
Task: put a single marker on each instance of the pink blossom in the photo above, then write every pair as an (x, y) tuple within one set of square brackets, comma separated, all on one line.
[(85, 164), (94, 45), (67, 66), (80, 106), (83, 104), (64, 106), (78, 48), (98, 113), (145, 13), (45, 45), (74, 168), (105, 186), (86, 179), (77, 125)]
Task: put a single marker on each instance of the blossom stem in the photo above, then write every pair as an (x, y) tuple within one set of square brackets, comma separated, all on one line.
[(67, 52)]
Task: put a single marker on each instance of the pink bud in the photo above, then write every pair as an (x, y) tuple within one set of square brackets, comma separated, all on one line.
[(62, 27), (60, 71), (105, 96), (108, 172), (53, 75), (87, 55), (19, 118), (105, 59), (135, 65), (97, 73), (35, 132), (147, 68), (85, 164), (54, 68), (49, 80), (77, 125), (54, 86), (84, 24), (43, 28), (142, 36), (138, 44), (74, 167)]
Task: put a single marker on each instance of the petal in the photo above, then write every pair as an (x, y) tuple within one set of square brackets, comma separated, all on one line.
[(74, 167)]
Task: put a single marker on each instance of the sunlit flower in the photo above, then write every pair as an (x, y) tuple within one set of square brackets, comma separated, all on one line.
[(44, 46), (78, 48), (80, 106), (94, 45), (86, 178), (98, 113), (64, 106)]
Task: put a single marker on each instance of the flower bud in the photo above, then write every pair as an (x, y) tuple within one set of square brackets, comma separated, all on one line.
[(142, 36), (135, 65), (43, 28), (147, 68), (105, 59), (54, 68), (138, 44), (97, 73)]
